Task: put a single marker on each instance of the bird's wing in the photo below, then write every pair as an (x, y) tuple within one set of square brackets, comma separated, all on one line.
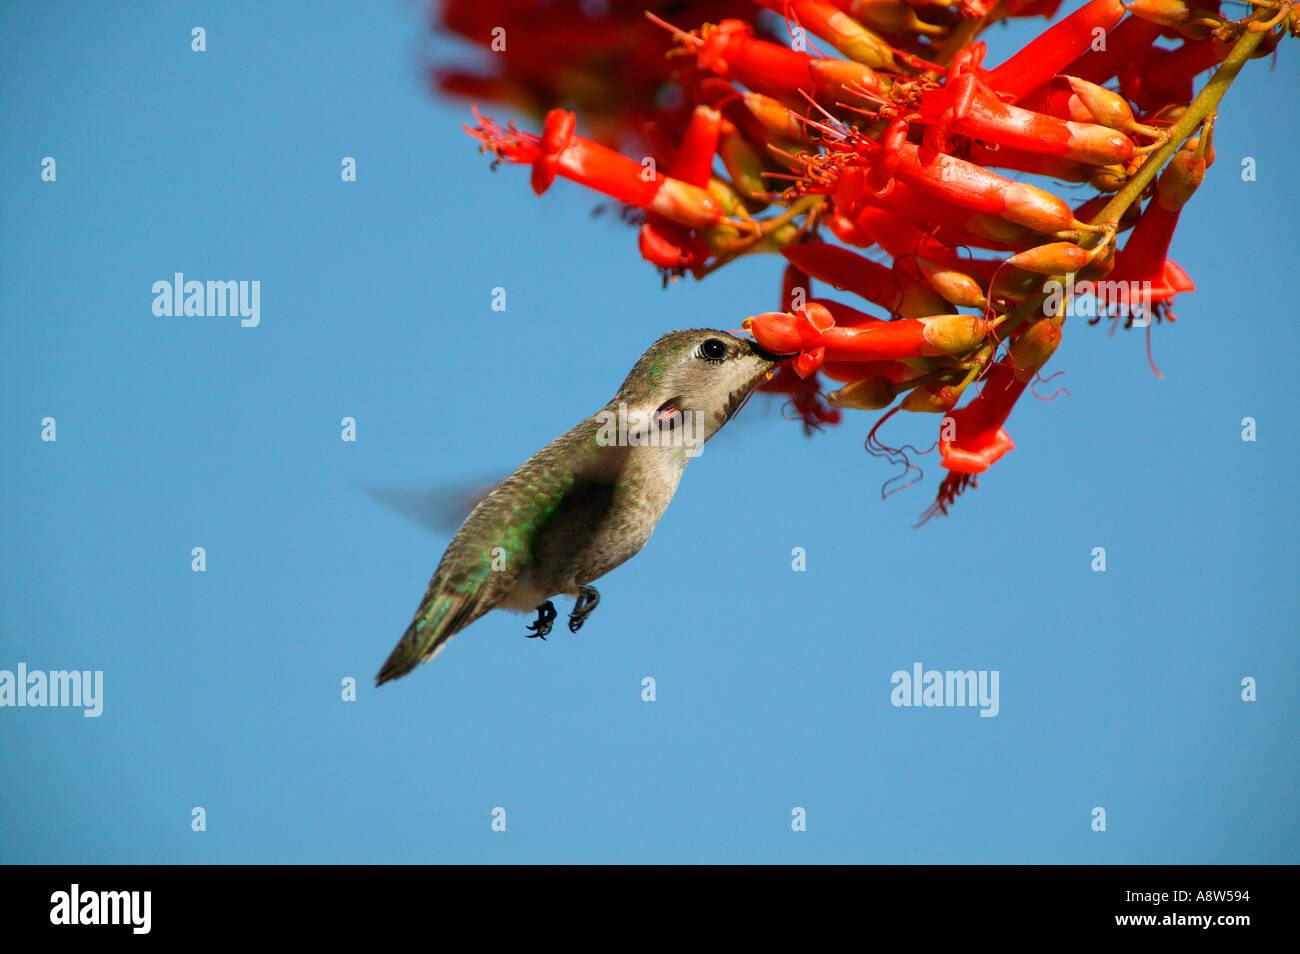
[(495, 544), (440, 507)]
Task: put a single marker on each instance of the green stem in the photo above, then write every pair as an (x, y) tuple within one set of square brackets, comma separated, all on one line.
[(1203, 106)]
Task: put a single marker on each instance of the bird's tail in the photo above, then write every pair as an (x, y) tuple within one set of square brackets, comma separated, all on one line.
[(441, 616)]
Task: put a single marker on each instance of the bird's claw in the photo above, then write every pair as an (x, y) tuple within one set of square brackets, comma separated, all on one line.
[(587, 600), (542, 625)]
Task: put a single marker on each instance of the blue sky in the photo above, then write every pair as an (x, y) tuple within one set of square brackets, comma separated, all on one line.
[(222, 690)]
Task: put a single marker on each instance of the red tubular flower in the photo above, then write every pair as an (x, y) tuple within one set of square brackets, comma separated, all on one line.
[(965, 183), (1055, 98), (556, 137), (745, 141), (848, 371), (807, 362), (968, 108), (1053, 49), (558, 150), (847, 271), (978, 439), (783, 332), (731, 51), (942, 267), (807, 330), (1054, 167), (806, 398), (1129, 40), (662, 241), (670, 246), (844, 315), (694, 160), (975, 228), (765, 147), (900, 237), (1165, 76), (901, 291), (1143, 277)]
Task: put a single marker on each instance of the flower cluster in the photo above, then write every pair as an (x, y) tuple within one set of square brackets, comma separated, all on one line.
[(600, 58), (907, 146)]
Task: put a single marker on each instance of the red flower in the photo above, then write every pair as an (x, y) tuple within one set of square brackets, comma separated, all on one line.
[(758, 143), (978, 440)]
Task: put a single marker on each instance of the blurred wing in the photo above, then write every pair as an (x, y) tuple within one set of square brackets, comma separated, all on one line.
[(440, 507)]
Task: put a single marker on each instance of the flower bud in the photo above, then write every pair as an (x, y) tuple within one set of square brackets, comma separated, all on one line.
[(953, 334), (865, 394), (1055, 258)]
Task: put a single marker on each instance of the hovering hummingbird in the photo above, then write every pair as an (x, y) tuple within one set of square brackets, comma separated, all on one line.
[(588, 500)]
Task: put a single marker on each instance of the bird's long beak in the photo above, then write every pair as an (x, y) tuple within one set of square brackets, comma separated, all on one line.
[(764, 354)]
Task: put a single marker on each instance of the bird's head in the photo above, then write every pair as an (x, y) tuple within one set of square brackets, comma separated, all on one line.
[(694, 379)]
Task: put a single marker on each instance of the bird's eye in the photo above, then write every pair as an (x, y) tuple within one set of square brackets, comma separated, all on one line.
[(713, 349)]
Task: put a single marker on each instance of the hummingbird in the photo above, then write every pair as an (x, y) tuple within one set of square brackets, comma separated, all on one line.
[(589, 500)]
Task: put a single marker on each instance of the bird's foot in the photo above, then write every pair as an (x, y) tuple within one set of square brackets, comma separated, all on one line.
[(545, 616), (587, 600)]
